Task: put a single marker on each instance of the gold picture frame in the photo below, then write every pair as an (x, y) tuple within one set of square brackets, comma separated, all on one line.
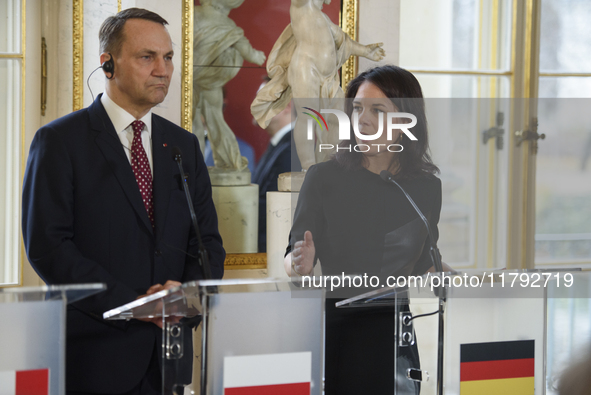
[(349, 24), (77, 54)]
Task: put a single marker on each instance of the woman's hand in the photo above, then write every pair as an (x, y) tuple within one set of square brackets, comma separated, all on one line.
[(301, 258)]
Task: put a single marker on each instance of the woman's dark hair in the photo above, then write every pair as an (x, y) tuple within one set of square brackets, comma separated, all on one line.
[(405, 92)]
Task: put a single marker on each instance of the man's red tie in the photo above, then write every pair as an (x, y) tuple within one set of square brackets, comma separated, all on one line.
[(141, 168)]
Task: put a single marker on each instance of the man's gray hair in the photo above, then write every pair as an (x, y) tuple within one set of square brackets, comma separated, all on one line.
[(111, 32)]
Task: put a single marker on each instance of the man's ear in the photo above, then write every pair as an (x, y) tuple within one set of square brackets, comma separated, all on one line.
[(104, 57)]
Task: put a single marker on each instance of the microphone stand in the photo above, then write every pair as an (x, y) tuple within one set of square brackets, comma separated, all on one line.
[(202, 257), (440, 292)]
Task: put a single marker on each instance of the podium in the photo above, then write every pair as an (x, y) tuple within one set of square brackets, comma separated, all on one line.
[(257, 335), (495, 332), (33, 341), (489, 336)]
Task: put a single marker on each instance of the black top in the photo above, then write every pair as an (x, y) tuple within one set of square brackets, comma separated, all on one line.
[(363, 224)]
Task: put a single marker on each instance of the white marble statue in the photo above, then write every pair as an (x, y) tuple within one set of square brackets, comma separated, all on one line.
[(221, 46), (304, 64)]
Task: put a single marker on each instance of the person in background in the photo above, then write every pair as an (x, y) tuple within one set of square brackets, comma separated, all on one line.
[(277, 159)]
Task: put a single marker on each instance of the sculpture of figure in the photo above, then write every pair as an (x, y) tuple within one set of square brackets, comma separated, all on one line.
[(219, 50), (304, 63)]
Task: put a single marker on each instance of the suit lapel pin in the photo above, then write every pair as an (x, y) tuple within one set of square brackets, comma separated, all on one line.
[(165, 145)]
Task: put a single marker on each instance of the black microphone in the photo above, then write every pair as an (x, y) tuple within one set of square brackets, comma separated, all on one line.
[(433, 251), (202, 257), (439, 292)]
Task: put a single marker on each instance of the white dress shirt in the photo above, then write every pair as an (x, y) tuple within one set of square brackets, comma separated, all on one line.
[(282, 132), (122, 121)]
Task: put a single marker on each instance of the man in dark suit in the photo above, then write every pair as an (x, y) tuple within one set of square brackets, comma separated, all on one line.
[(102, 202), (277, 159)]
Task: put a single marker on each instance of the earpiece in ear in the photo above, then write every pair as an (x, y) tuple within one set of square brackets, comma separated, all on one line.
[(109, 67)]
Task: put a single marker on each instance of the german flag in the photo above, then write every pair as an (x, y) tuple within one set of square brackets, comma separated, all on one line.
[(497, 368)]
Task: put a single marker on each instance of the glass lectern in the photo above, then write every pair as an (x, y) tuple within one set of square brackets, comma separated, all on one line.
[(262, 336), (33, 341), (481, 333)]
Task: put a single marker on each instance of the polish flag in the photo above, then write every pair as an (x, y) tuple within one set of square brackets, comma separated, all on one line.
[(270, 374), (24, 382)]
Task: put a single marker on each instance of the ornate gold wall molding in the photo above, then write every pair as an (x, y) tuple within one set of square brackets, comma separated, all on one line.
[(246, 261), (77, 52), (349, 22), (187, 66)]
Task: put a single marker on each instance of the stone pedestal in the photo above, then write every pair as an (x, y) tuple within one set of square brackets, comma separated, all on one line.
[(237, 204), (280, 209), (222, 177), (290, 182)]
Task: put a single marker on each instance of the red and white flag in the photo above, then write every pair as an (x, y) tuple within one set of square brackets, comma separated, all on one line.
[(270, 374), (24, 382)]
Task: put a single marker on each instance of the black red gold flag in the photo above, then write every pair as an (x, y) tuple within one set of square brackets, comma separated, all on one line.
[(497, 368)]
